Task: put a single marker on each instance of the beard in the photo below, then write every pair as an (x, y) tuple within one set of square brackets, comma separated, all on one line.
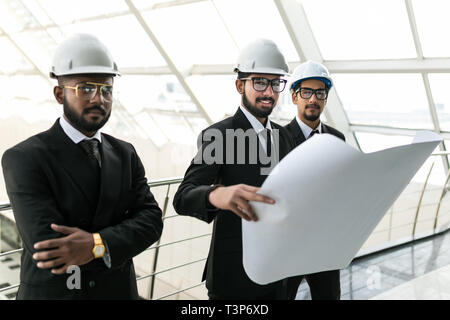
[(311, 117), (254, 110), (80, 122)]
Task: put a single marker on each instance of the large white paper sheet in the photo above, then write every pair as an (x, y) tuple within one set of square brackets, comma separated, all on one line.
[(329, 198)]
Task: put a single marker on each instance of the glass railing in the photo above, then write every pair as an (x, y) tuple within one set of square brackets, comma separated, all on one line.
[(172, 267)]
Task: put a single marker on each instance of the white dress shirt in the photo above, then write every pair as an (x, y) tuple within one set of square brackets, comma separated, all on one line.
[(75, 135), (258, 127), (307, 129)]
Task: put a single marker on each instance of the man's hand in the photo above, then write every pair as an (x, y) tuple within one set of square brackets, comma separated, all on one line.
[(74, 249), (236, 198)]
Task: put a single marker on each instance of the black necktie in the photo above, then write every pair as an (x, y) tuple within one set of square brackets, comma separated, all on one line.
[(313, 133), (90, 146)]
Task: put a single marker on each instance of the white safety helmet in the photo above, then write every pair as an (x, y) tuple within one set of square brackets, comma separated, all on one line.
[(311, 70), (82, 54), (261, 56)]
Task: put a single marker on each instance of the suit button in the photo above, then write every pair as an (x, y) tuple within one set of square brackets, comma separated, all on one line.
[(91, 284)]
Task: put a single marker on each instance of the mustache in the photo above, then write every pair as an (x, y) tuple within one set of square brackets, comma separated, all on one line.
[(313, 105), (95, 108), (268, 98)]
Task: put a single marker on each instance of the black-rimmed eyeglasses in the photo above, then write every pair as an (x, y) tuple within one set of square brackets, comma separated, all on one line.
[(306, 93), (261, 84)]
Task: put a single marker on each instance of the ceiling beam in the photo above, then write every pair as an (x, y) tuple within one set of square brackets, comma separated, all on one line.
[(169, 62), (429, 65)]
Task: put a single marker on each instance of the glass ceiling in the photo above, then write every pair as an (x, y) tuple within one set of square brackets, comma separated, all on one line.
[(390, 64)]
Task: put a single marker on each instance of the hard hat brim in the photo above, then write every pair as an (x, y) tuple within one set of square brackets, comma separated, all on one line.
[(328, 83), (279, 72), (86, 70)]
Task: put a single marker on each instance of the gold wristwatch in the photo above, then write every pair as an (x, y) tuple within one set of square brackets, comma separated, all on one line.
[(99, 249)]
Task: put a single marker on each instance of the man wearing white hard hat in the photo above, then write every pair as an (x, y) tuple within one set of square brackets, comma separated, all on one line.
[(309, 87), (80, 198), (220, 190)]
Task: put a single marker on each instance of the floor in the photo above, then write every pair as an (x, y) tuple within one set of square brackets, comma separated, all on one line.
[(420, 270)]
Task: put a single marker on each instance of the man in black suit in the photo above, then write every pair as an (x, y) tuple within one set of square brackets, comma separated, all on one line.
[(309, 89), (80, 198), (219, 188)]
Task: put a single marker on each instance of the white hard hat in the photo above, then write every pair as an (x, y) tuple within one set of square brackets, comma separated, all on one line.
[(311, 70), (82, 54), (261, 56)]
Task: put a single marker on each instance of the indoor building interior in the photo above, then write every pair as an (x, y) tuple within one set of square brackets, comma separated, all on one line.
[(390, 65)]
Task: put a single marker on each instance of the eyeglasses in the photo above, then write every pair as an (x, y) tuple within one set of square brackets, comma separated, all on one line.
[(306, 93), (88, 90), (261, 84)]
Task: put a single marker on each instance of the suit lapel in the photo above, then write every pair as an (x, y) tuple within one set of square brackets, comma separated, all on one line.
[(240, 121), (73, 160), (297, 133), (111, 179)]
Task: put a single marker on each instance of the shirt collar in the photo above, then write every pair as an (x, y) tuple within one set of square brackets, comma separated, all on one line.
[(75, 135), (307, 129), (256, 125)]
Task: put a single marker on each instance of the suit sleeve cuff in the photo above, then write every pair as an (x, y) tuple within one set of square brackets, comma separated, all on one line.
[(107, 256)]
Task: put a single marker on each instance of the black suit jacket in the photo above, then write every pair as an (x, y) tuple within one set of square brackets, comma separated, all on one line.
[(224, 272), (49, 180), (297, 133)]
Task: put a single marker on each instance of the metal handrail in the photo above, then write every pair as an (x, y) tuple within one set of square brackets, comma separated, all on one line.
[(166, 181), (420, 200), (440, 200), (178, 241), (10, 252), (170, 269), (5, 206), (171, 181), (10, 287)]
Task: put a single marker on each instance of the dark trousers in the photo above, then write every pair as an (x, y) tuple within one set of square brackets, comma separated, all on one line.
[(280, 292), (322, 285)]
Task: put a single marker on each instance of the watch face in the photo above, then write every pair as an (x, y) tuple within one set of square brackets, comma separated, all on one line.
[(99, 250)]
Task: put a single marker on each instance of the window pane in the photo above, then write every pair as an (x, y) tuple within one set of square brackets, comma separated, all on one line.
[(432, 24), (12, 60), (29, 98), (267, 23), (151, 128), (150, 4), (129, 44), (63, 12), (217, 94), (38, 46), (396, 100), (441, 96), (8, 19), (175, 128), (192, 34), (219, 97), (354, 29), (38, 11), (137, 93)]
